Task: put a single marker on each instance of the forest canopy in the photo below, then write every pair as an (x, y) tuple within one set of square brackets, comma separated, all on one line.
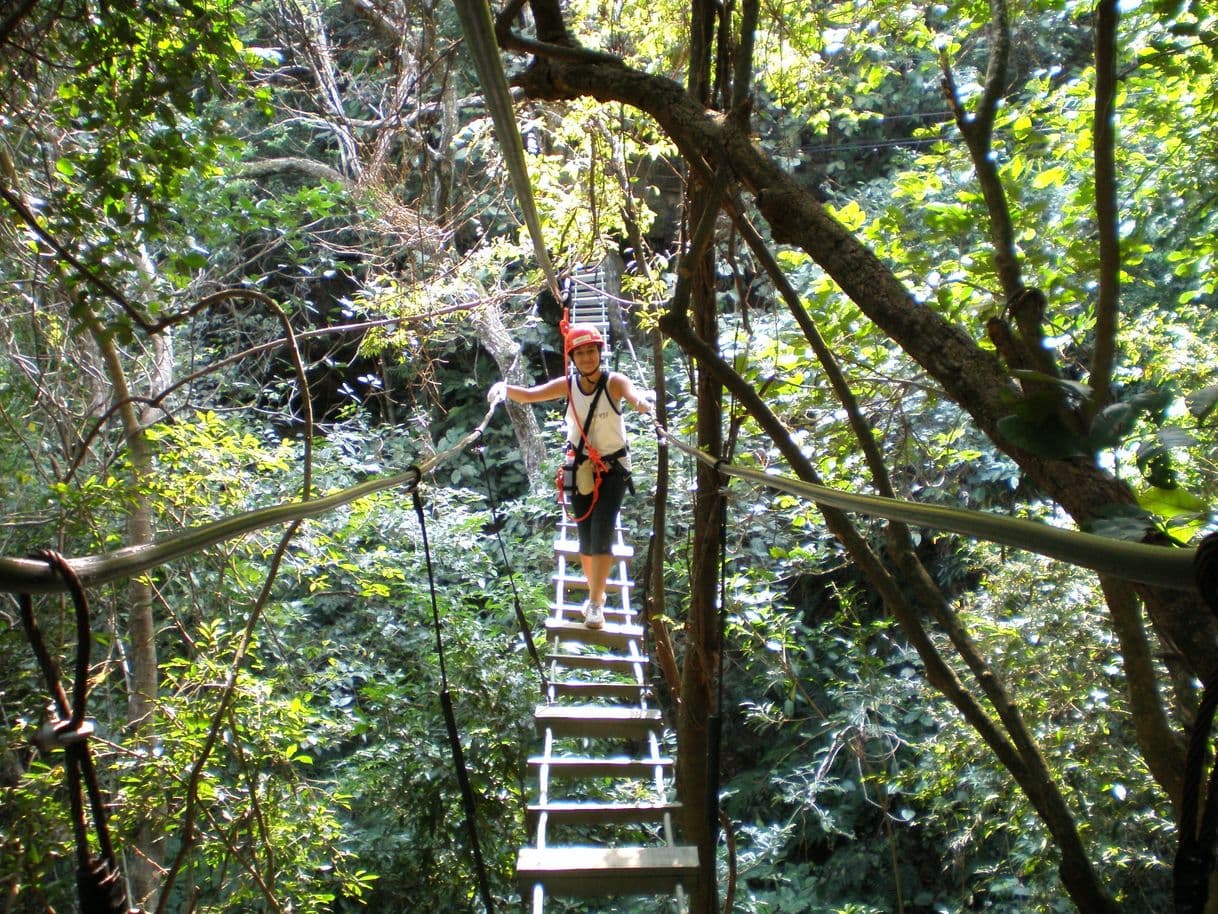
[(262, 261)]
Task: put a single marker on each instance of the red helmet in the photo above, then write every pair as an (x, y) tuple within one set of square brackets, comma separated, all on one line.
[(583, 334)]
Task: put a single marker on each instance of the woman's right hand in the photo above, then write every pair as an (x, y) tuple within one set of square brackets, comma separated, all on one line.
[(497, 394)]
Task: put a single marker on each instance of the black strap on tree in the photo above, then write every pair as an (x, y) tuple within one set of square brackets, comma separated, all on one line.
[(450, 721), (716, 721), (645, 596), (496, 526), (99, 887), (1194, 861)]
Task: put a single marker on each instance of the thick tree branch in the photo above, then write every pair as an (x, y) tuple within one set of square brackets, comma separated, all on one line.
[(1106, 306), (743, 75)]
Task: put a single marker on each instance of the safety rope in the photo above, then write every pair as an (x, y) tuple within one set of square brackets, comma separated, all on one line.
[(599, 467), (450, 721), (1156, 565), (99, 887), (479, 29), (496, 526), (29, 576)]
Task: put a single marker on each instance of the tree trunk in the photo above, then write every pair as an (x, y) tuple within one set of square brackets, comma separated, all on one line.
[(698, 714), (506, 353), (144, 865)]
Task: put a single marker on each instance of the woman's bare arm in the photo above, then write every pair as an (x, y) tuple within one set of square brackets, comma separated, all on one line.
[(622, 388), (550, 390)]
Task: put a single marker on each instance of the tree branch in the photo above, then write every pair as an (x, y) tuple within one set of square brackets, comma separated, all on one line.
[(28, 576), (310, 167), (978, 130), (1106, 306)]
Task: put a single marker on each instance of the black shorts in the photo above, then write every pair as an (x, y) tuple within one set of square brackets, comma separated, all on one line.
[(597, 530)]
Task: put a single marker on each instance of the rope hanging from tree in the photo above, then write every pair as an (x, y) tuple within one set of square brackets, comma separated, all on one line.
[(99, 887), (496, 526), (479, 29), (450, 721), (1157, 565)]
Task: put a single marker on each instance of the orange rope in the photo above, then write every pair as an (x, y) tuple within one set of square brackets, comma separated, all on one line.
[(599, 466)]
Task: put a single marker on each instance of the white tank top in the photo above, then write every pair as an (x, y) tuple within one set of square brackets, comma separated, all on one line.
[(607, 433)]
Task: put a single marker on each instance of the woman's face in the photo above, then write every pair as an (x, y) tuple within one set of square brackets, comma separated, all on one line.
[(587, 358)]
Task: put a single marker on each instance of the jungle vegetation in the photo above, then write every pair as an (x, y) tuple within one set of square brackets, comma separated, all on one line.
[(261, 253)]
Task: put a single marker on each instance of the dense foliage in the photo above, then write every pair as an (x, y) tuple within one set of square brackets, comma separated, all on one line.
[(254, 252)]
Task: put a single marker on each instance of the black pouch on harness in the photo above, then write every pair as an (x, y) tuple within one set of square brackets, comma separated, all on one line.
[(566, 473)]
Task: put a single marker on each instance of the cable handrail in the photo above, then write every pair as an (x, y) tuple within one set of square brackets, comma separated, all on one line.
[(21, 575), (1139, 562)]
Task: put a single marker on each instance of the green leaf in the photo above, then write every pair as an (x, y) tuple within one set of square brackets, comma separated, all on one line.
[(1050, 177), (1170, 502), (1172, 436), (1201, 402), (1154, 401), (1110, 426), (1076, 388), (1045, 437)]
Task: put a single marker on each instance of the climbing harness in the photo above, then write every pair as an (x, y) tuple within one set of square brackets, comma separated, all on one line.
[(99, 886), (568, 479), (576, 462), (450, 721)]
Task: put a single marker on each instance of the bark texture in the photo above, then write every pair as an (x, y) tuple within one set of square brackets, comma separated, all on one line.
[(506, 353)]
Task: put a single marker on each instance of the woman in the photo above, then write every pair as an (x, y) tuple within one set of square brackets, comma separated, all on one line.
[(591, 389)]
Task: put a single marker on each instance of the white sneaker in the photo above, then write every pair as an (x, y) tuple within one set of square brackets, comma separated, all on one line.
[(594, 615)]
